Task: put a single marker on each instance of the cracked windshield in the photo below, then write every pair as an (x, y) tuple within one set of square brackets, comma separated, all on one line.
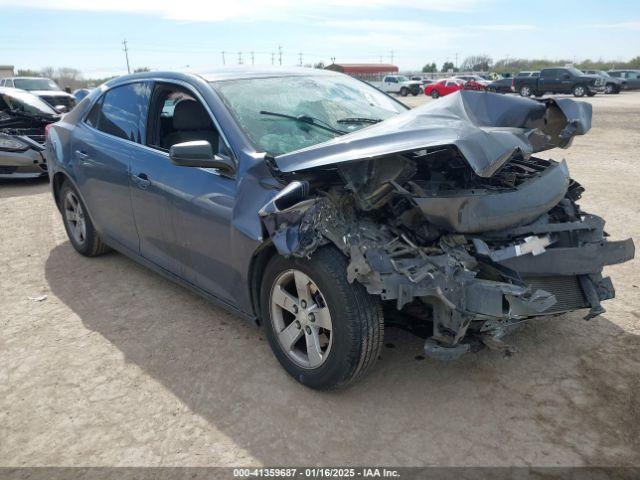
[(283, 114)]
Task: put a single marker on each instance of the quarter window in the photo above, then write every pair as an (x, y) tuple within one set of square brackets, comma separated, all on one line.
[(123, 112)]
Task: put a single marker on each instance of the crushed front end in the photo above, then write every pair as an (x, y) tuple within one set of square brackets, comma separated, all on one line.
[(473, 245)]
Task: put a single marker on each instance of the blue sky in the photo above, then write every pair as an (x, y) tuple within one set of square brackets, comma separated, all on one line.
[(171, 34)]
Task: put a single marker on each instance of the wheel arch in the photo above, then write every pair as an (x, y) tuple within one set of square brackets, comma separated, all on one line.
[(259, 261), (56, 184)]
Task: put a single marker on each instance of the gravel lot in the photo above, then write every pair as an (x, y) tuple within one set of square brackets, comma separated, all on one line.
[(118, 366)]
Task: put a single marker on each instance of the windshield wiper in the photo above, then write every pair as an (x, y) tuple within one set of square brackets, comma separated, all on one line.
[(359, 120), (308, 119)]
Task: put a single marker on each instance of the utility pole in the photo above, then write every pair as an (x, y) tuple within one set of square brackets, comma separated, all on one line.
[(456, 60), (251, 58), (239, 58), (273, 58), (280, 54), (300, 56), (224, 62), (391, 52), (126, 54), (380, 58)]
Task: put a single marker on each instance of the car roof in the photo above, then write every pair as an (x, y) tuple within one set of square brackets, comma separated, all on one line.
[(228, 73), (27, 78)]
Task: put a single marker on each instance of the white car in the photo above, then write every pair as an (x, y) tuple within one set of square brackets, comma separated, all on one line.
[(45, 88)]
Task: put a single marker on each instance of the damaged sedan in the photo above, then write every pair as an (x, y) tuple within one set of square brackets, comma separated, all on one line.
[(23, 119), (313, 204)]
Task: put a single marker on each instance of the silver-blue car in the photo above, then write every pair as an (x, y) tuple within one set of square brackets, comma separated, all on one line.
[(322, 208)]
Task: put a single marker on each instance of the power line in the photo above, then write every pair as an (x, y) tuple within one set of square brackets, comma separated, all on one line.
[(126, 54)]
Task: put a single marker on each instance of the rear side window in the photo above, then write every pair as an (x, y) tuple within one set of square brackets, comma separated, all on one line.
[(123, 112), (94, 114)]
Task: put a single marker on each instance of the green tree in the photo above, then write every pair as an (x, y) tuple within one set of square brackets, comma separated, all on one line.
[(446, 66), (430, 68)]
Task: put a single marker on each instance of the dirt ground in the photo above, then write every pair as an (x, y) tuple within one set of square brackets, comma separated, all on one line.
[(118, 366)]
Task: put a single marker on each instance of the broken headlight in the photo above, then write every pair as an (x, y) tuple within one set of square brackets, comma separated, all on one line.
[(12, 144)]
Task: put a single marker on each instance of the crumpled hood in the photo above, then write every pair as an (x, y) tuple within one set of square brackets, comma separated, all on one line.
[(486, 128)]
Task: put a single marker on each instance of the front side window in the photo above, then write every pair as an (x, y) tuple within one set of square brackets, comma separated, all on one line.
[(123, 113), (338, 102), (177, 117)]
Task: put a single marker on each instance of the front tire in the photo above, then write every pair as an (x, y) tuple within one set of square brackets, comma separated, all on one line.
[(80, 230), (609, 89), (324, 331), (435, 94), (404, 92), (579, 91)]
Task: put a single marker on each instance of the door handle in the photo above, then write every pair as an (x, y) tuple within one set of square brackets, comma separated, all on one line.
[(82, 156), (141, 180)]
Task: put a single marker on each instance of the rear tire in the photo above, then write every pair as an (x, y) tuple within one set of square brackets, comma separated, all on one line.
[(404, 92), (526, 91), (80, 230), (609, 88), (354, 341)]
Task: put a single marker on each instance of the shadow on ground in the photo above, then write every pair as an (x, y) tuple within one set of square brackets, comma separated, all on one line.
[(570, 396)]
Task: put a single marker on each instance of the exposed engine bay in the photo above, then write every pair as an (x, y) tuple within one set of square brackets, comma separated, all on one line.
[(448, 216), (23, 118)]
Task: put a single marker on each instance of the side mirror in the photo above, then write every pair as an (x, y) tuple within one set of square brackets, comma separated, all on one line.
[(199, 153), (61, 108)]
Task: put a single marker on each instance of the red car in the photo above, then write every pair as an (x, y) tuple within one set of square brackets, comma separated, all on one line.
[(443, 87)]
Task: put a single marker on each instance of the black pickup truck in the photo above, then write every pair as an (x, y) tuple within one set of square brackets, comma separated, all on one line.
[(559, 80)]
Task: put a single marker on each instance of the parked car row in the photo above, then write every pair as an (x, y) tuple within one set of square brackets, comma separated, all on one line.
[(567, 80)]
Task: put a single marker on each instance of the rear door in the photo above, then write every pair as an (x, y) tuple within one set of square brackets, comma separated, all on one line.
[(102, 148), (549, 80)]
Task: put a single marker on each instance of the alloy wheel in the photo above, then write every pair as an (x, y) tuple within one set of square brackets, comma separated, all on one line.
[(74, 216), (301, 319)]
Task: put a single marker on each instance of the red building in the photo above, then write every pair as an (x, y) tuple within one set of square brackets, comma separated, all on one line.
[(370, 72)]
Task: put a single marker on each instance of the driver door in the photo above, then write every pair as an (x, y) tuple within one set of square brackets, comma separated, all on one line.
[(183, 214)]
